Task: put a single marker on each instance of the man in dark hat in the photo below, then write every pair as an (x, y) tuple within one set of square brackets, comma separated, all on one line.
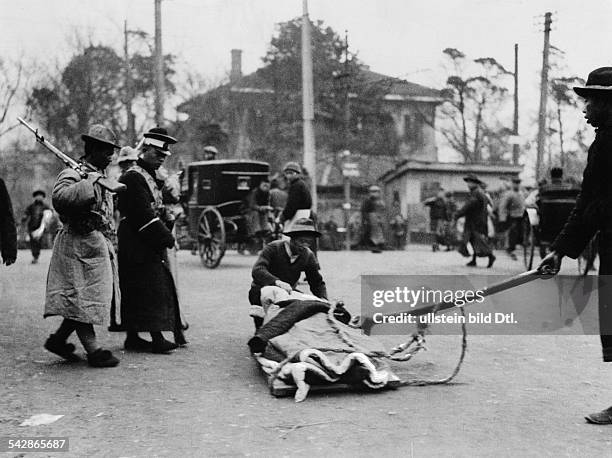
[(298, 197), (476, 225), (511, 211), (281, 263), (592, 211), (8, 231), (32, 219), (149, 297), (83, 279)]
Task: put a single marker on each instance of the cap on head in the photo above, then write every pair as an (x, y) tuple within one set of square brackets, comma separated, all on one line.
[(100, 134), (374, 188), (211, 150), (471, 178), (292, 167), (39, 192), (516, 180), (159, 139), (599, 83), (302, 226), (127, 153)]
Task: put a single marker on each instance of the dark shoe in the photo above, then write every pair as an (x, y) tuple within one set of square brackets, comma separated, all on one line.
[(114, 327), (163, 347), (35, 261), (61, 348), (102, 358), (179, 339), (492, 259), (257, 344), (512, 255), (600, 418), (137, 344), (472, 263)]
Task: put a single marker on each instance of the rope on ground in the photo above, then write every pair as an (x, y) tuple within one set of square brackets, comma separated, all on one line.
[(417, 340)]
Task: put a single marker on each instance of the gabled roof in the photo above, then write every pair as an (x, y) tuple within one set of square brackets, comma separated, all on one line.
[(396, 89)]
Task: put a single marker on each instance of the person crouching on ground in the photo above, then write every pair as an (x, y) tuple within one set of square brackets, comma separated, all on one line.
[(83, 280), (281, 263)]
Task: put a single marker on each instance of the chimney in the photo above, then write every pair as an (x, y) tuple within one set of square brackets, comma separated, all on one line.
[(236, 72)]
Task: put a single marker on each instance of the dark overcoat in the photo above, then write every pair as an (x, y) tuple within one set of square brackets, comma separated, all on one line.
[(475, 212), (8, 231), (149, 298), (592, 213), (476, 224)]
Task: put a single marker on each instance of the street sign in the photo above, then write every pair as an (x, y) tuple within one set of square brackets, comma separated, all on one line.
[(350, 169)]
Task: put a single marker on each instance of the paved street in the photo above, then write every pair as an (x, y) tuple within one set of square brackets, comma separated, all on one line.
[(515, 395)]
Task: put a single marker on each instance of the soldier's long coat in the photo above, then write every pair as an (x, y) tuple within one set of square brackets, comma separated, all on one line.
[(82, 280), (149, 298)]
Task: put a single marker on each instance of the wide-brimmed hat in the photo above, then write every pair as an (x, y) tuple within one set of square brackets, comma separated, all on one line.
[(374, 188), (101, 134), (599, 82), (292, 166), (158, 138), (39, 192), (302, 226), (127, 153), (472, 178), (516, 180)]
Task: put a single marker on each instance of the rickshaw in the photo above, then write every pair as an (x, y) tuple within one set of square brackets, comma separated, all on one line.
[(213, 195), (542, 224)]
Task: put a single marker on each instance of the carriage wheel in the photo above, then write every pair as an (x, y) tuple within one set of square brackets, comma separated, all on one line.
[(528, 244), (211, 237)]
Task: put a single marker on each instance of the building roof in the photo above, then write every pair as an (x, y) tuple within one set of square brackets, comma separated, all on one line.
[(397, 89), (411, 165)]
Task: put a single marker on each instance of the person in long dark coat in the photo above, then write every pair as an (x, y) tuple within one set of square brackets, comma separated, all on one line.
[(149, 298), (373, 217), (593, 209), (476, 226), (8, 231)]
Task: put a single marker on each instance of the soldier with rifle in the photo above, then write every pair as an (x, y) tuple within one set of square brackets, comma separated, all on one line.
[(83, 278)]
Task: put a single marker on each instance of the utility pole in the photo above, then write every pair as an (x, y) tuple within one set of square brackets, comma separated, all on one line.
[(515, 147), (308, 104), (129, 94), (159, 67), (543, 96), (347, 125)]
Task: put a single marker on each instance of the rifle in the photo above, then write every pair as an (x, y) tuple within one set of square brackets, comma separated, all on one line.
[(106, 183)]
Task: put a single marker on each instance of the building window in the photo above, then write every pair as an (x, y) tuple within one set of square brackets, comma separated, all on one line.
[(429, 189), (413, 129)]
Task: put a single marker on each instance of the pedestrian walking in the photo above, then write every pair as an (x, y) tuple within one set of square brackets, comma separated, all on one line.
[(437, 218), (373, 218), (32, 219), (149, 296), (476, 228), (511, 211), (83, 279)]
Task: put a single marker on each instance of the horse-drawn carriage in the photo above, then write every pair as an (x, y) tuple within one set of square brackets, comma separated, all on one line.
[(543, 222), (213, 196)]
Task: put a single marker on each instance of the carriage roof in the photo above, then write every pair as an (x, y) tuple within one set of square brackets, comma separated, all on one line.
[(219, 181)]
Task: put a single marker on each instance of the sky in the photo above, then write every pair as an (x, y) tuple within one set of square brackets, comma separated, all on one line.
[(402, 38)]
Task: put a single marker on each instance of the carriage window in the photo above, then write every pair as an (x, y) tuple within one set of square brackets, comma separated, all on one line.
[(244, 183)]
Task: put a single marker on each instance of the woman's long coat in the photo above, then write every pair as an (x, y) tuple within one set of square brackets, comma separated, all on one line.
[(149, 298), (82, 280)]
